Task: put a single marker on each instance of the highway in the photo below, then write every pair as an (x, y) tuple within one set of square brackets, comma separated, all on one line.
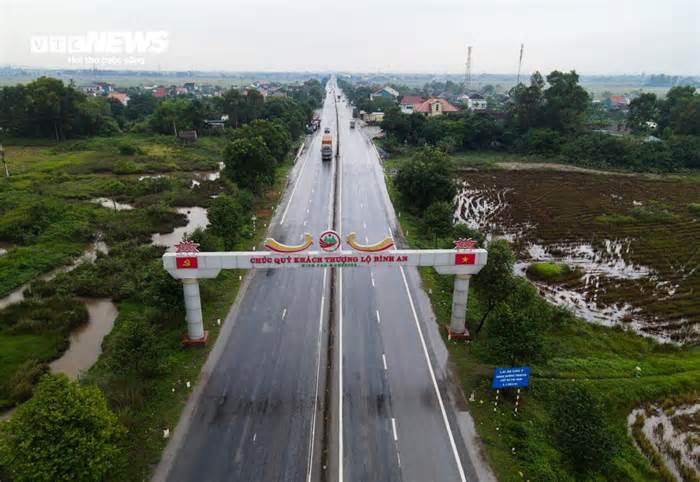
[(259, 417), (260, 413), (396, 424)]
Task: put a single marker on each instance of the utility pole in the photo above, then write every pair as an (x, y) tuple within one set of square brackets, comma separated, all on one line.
[(4, 162), (520, 62)]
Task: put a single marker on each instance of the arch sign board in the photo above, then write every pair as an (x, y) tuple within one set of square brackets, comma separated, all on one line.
[(188, 264)]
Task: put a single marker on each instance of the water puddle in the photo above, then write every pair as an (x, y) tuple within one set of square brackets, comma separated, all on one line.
[(89, 256), (202, 176), (86, 341), (111, 204), (196, 218)]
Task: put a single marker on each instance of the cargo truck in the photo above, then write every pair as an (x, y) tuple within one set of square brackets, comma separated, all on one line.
[(326, 147)]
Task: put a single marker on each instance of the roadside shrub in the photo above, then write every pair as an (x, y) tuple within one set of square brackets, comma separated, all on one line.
[(126, 149), (515, 334), (545, 142), (22, 383), (133, 350), (694, 208), (462, 231), (582, 432)]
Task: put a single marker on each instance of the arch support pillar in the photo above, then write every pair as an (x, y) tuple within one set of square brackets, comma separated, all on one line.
[(458, 328), (193, 307)]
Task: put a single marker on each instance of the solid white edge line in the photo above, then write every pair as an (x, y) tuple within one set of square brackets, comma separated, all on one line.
[(318, 377), (393, 428), (340, 375), (432, 377), (296, 184)]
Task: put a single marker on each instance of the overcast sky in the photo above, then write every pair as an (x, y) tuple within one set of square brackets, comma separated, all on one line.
[(591, 36)]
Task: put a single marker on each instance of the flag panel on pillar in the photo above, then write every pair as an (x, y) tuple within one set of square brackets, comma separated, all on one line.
[(189, 262), (465, 258)]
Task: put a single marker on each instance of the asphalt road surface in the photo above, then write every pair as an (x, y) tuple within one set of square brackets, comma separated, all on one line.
[(260, 414), (396, 422)]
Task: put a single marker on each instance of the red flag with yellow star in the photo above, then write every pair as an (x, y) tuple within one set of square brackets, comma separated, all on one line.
[(465, 258)]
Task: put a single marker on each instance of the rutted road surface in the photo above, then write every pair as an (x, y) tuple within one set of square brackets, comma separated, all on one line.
[(258, 411)]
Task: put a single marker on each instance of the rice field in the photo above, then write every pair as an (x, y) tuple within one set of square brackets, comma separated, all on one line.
[(633, 240)]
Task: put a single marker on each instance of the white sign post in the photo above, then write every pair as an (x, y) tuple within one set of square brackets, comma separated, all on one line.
[(189, 265)]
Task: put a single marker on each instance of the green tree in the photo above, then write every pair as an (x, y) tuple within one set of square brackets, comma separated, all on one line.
[(65, 432), (249, 163), (287, 112), (581, 430), (438, 218), (425, 179), (140, 106), (495, 282), (274, 134), (566, 102), (643, 109), (226, 219), (528, 102)]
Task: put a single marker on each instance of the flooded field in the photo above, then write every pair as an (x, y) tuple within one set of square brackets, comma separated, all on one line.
[(674, 432), (633, 241)]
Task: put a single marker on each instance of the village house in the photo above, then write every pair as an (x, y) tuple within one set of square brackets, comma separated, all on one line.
[(408, 103), (474, 102), (122, 97), (385, 92), (430, 107)]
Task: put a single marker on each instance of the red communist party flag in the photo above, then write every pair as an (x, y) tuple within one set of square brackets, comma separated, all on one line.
[(186, 262), (465, 258)]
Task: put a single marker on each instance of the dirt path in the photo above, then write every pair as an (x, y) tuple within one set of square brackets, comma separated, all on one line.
[(524, 166)]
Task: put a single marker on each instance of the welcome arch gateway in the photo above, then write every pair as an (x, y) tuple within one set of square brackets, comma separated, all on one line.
[(190, 265)]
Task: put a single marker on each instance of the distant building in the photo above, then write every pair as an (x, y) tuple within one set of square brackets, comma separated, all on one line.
[(120, 96), (474, 102), (408, 103), (190, 87), (160, 92), (385, 92), (619, 101), (98, 89), (435, 107), (181, 91)]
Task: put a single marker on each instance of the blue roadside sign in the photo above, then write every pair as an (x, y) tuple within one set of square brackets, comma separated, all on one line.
[(510, 377)]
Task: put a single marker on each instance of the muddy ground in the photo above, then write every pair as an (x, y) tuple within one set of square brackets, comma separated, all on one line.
[(634, 239)]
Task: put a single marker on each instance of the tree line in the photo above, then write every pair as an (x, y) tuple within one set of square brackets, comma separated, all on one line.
[(550, 118), (48, 108)]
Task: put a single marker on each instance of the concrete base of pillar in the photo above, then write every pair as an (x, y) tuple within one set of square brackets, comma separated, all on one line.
[(187, 341), (458, 336)]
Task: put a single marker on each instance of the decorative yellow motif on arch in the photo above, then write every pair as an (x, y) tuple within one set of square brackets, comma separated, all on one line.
[(285, 248), (385, 244)]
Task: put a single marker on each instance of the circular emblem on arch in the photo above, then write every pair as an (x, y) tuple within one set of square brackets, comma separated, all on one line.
[(329, 241)]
